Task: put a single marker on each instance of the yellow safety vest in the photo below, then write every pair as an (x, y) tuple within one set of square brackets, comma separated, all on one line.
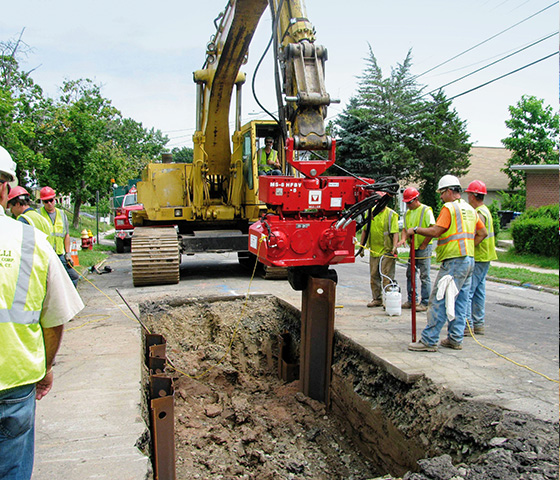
[(485, 251), (458, 240), (23, 285), (56, 238), (263, 165), (419, 217), (35, 219), (383, 226)]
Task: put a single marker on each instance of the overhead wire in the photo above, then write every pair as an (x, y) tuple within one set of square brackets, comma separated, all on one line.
[(485, 41)]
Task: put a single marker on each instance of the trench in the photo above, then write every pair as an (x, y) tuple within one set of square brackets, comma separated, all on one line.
[(236, 419)]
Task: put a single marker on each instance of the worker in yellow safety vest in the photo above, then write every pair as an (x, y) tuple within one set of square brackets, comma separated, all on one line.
[(19, 203), (458, 229), (484, 253), (382, 244), (60, 238), (36, 300), (268, 159)]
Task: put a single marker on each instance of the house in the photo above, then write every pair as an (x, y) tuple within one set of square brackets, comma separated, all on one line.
[(542, 184), (486, 165)]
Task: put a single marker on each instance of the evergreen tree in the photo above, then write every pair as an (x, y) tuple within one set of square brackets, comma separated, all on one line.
[(388, 128)]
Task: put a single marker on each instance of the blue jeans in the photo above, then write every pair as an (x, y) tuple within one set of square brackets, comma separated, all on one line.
[(17, 432), (461, 270), (74, 276), (475, 311), (422, 264)]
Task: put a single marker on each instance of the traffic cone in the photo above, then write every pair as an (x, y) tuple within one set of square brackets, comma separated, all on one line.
[(74, 253)]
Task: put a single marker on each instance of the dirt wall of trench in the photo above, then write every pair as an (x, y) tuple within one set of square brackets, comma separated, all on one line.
[(240, 421)]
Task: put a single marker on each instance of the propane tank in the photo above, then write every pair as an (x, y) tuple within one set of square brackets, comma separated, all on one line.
[(392, 300)]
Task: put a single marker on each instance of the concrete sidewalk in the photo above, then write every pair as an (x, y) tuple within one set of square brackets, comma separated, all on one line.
[(87, 427)]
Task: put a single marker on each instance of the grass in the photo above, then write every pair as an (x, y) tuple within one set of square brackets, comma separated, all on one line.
[(528, 259), (524, 276), (89, 258)]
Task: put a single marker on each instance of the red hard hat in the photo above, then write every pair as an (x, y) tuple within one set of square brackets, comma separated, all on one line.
[(410, 194), (16, 192), (476, 186), (47, 193)]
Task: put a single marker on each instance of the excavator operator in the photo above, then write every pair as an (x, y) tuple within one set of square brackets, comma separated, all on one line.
[(268, 159)]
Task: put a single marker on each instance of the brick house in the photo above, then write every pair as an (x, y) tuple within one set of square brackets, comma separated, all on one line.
[(543, 184)]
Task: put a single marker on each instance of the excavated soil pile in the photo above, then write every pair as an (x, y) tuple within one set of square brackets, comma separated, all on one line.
[(234, 419)]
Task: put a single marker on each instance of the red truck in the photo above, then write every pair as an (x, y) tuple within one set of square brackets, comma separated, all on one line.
[(123, 220)]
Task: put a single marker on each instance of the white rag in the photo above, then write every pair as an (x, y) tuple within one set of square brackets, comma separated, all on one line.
[(446, 288)]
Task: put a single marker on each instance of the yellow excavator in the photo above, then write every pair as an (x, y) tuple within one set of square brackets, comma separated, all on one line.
[(209, 205)]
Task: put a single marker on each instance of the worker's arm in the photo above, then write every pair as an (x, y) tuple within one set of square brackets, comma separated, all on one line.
[(431, 232), (52, 337), (404, 236), (480, 235), (395, 242)]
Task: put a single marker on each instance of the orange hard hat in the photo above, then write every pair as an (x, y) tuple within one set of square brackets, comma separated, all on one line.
[(410, 194), (16, 192), (47, 193), (476, 186)]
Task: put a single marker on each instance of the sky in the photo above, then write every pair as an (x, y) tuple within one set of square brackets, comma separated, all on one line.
[(143, 53)]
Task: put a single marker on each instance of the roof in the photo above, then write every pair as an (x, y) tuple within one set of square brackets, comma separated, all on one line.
[(486, 163), (542, 168)]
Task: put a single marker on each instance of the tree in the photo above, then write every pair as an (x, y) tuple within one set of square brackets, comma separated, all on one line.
[(23, 110), (182, 155), (533, 138), (389, 128), (91, 143)]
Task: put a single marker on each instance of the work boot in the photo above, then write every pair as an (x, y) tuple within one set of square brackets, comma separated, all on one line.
[(420, 346), (448, 343), (479, 329), (421, 307), (407, 305), (375, 303)]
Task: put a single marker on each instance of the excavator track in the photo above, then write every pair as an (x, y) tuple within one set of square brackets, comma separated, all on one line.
[(155, 256)]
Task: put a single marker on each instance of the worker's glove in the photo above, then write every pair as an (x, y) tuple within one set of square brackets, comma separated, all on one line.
[(69, 260)]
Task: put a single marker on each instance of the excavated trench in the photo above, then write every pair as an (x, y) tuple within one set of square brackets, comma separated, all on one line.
[(235, 418)]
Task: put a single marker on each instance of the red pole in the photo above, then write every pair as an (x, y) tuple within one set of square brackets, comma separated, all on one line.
[(413, 284)]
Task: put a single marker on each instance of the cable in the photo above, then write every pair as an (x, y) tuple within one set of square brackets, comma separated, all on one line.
[(485, 41), (490, 64), (509, 359)]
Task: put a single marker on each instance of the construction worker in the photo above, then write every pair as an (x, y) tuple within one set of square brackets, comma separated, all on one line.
[(268, 159), (60, 238), (19, 204), (418, 215), (484, 253), (458, 229), (36, 300), (382, 245)]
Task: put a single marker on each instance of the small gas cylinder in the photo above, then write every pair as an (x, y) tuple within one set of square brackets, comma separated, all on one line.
[(393, 300)]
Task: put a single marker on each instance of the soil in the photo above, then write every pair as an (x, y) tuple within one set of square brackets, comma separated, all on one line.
[(235, 419)]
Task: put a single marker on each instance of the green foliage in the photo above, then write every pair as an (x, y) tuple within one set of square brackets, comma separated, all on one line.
[(494, 207), (512, 201), (538, 235), (75, 143), (389, 128), (548, 211), (182, 155), (533, 138)]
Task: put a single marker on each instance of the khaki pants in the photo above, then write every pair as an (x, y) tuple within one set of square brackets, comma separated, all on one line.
[(376, 281)]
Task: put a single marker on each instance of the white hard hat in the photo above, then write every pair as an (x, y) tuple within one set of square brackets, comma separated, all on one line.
[(8, 167), (448, 181)]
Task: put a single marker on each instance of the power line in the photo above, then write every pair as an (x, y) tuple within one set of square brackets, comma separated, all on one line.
[(491, 64), (485, 41)]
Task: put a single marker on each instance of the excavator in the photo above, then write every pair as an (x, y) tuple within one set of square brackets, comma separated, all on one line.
[(300, 221)]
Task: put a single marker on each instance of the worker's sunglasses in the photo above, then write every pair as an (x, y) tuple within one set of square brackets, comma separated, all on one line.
[(2, 182), (269, 143), (48, 201)]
